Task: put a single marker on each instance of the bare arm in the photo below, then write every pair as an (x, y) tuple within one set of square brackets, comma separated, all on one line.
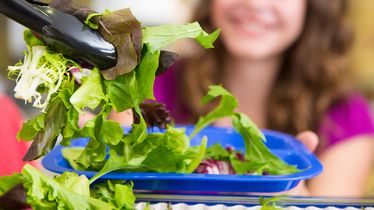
[(124, 118), (346, 168)]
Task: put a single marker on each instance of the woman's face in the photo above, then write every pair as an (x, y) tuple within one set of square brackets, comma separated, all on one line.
[(258, 29)]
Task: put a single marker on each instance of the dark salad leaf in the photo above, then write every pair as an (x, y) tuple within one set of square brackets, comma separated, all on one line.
[(46, 140), (167, 60), (14, 198), (74, 7), (119, 27), (12, 193), (155, 114), (123, 30)]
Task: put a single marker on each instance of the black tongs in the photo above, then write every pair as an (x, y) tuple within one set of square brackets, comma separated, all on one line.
[(63, 32)]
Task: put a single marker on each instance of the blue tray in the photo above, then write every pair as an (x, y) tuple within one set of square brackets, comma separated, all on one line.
[(282, 145)]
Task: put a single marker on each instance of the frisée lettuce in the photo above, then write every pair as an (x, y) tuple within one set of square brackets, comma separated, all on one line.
[(42, 71)]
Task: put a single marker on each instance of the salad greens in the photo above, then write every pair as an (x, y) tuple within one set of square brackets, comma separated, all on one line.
[(65, 103), (257, 158), (169, 151)]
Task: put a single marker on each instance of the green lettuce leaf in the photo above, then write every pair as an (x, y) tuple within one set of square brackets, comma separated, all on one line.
[(115, 162), (138, 131), (217, 152), (74, 182), (111, 132), (8, 182), (256, 151), (31, 39), (271, 202), (125, 199), (225, 108), (31, 128), (158, 152), (119, 153), (102, 133), (131, 89), (93, 156), (46, 139), (199, 153), (71, 129), (71, 154), (246, 167), (159, 37), (116, 193), (69, 191), (89, 94)]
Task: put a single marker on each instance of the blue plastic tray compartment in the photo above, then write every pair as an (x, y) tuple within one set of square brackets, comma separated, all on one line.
[(282, 145)]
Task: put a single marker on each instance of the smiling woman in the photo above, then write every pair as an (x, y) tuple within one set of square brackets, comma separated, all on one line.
[(285, 62)]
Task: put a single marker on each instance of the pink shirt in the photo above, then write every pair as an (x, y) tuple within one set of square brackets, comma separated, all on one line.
[(11, 150)]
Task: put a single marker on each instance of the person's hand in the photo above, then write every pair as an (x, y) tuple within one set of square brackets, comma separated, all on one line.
[(310, 140)]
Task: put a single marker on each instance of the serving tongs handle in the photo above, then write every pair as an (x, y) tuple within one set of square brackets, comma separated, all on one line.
[(63, 32), (25, 13)]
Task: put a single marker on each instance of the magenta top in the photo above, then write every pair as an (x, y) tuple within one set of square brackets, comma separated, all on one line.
[(343, 121)]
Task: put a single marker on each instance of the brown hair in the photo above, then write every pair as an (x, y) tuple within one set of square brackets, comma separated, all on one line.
[(312, 76)]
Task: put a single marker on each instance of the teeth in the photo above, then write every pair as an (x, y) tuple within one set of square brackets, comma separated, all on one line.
[(251, 27)]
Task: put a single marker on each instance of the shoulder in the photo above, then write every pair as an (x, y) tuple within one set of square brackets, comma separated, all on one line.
[(7, 106), (349, 118), (9, 112), (165, 88), (167, 91), (10, 148)]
